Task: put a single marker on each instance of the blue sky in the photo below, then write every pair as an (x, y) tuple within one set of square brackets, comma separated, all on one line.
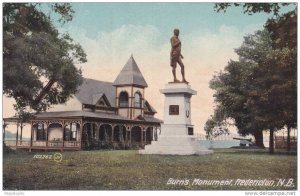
[(188, 17)]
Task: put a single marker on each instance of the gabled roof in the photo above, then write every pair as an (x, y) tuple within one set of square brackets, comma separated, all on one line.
[(96, 97), (103, 101), (130, 75), (90, 91), (149, 107)]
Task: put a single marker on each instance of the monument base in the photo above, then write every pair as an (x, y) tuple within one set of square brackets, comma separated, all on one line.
[(176, 136), (174, 140)]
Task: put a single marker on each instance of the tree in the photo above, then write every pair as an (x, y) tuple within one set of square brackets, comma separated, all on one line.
[(231, 94), (264, 98), (234, 85), (284, 33), (249, 90), (252, 8), (39, 62), (275, 97)]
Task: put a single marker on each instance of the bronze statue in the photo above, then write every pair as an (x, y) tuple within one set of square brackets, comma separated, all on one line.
[(176, 56)]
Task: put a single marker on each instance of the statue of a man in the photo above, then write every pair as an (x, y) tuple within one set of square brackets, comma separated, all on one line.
[(176, 56)]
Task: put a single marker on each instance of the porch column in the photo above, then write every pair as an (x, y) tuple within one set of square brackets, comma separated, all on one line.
[(76, 133), (112, 133), (142, 132), (126, 133), (63, 133), (98, 125), (80, 133), (31, 136), (17, 135), (4, 126), (154, 134), (21, 135), (47, 129), (130, 136), (145, 139)]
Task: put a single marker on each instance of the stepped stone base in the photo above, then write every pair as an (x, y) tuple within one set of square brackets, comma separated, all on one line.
[(176, 145), (179, 144)]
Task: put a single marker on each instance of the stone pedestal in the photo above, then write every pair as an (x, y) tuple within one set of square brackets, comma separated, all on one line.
[(176, 136)]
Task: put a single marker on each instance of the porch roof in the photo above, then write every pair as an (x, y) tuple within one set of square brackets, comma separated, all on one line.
[(100, 115), (63, 114)]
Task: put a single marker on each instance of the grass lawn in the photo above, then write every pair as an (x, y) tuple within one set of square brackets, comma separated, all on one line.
[(127, 170)]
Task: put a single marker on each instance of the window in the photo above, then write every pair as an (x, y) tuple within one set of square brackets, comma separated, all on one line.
[(174, 110), (137, 100), (75, 128), (123, 99), (190, 131), (70, 132), (67, 133), (41, 132)]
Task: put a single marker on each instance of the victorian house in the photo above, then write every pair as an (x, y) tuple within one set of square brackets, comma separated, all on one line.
[(100, 115)]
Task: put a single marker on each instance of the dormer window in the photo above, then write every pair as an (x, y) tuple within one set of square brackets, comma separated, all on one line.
[(137, 100), (123, 99)]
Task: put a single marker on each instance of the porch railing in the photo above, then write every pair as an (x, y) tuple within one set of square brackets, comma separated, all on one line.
[(23, 143), (49, 144)]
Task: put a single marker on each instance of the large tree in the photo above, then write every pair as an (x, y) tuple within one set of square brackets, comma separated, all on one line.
[(39, 62), (234, 85), (256, 90), (272, 95), (284, 35)]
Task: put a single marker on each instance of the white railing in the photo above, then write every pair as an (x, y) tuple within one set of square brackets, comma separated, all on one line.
[(39, 143), (50, 144), (71, 144), (23, 143), (54, 144), (10, 142)]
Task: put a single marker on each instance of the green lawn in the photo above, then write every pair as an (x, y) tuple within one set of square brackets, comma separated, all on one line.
[(127, 170)]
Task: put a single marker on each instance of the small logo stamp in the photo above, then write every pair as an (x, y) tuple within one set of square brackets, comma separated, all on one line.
[(57, 157)]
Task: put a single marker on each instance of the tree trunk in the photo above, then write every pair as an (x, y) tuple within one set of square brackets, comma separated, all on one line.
[(271, 142), (289, 138), (259, 139)]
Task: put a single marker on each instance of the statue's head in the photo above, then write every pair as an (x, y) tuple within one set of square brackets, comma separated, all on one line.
[(176, 32)]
